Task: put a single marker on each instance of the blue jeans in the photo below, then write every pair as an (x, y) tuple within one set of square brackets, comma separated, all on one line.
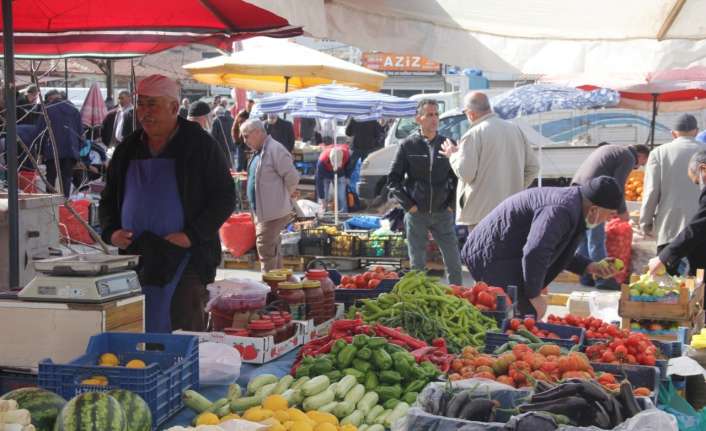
[(441, 225), (593, 247), (342, 194)]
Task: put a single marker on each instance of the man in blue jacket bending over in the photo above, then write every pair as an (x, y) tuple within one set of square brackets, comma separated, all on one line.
[(532, 236)]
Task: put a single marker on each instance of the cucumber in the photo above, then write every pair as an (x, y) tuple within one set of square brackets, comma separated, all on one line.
[(260, 381), (265, 391), (355, 394), (345, 385), (373, 414), (363, 427), (218, 404), (244, 403), (382, 416), (234, 391), (368, 401), (316, 385), (299, 382), (354, 418), (283, 384), (376, 427), (293, 396), (318, 400), (328, 408), (399, 411), (343, 409)]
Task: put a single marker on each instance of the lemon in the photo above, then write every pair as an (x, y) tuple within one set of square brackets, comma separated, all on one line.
[(108, 360), (207, 418), (275, 402), (349, 427), (301, 426), (136, 363), (297, 415), (322, 417), (325, 426), (281, 415)]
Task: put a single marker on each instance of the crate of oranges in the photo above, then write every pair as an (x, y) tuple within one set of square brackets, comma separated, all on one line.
[(634, 185)]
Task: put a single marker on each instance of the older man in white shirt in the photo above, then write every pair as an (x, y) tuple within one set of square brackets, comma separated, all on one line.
[(493, 161)]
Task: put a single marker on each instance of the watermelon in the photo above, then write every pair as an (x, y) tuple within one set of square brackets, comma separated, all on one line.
[(43, 405), (92, 411), (137, 412)]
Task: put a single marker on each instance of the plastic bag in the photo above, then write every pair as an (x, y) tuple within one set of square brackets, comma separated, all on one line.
[(219, 364), (685, 417), (363, 222), (618, 234), (70, 227), (648, 420), (308, 208), (238, 234)]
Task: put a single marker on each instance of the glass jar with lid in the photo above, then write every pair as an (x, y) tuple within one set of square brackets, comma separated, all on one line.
[(293, 294), (328, 288), (273, 278), (262, 328), (315, 305)]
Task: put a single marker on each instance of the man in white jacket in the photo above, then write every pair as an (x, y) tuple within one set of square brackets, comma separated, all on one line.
[(493, 161)]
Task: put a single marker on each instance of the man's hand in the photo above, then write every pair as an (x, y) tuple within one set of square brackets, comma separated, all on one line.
[(121, 238), (179, 239), (413, 210), (540, 305), (656, 266), (448, 148), (602, 269)]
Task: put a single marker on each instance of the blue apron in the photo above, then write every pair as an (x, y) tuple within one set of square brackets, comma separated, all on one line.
[(152, 203)]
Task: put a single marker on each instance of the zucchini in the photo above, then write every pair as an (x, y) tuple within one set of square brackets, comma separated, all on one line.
[(399, 411), (260, 381), (266, 391), (283, 384), (355, 394), (345, 385), (299, 382), (374, 412), (376, 427), (363, 427), (343, 409), (244, 403), (293, 396), (368, 401), (328, 408), (234, 391), (316, 385), (318, 400), (354, 418), (382, 417)]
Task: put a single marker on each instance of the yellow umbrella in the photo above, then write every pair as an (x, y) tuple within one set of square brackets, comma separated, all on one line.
[(279, 66)]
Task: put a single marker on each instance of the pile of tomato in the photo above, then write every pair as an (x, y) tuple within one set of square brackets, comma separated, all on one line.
[(482, 296), (635, 349), (368, 279), (595, 328), (529, 324)]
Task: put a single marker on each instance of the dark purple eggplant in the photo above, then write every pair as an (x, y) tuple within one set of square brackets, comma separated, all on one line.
[(479, 409)]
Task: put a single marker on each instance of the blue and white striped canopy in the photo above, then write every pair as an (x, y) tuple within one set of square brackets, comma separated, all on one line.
[(536, 98), (337, 101)]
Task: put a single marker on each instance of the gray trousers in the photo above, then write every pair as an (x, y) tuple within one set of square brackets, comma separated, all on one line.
[(441, 225)]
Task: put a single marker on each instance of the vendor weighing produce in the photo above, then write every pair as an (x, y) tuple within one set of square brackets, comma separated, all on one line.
[(532, 236)]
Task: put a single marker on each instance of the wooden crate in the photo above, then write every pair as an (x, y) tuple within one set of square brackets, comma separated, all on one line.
[(688, 305), (246, 261), (295, 263), (693, 325)]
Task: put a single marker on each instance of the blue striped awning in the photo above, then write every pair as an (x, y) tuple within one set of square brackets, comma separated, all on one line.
[(333, 101)]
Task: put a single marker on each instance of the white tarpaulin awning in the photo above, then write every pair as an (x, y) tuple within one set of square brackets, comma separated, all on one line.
[(518, 36)]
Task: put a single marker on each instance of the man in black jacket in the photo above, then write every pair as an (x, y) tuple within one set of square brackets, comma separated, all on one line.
[(367, 136), (691, 242), (281, 131), (117, 125), (422, 181), (168, 191)]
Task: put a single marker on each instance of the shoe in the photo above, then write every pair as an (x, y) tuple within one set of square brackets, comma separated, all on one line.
[(608, 284), (587, 280)]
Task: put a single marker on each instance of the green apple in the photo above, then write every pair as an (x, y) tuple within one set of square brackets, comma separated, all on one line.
[(618, 264)]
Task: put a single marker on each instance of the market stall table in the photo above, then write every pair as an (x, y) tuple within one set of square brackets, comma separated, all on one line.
[(278, 367)]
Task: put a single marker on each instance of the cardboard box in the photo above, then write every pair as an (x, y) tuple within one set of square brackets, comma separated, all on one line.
[(321, 330), (254, 350)]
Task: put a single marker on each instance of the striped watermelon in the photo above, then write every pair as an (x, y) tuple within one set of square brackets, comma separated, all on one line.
[(92, 411), (43, 405), (137, 412)]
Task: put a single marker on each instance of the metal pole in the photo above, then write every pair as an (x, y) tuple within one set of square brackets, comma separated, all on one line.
[(66, 77), (109, 78), (653, 124), (286, 84), (11, 140)]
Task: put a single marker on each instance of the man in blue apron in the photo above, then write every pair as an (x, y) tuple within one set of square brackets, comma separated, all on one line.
[(168, 191)]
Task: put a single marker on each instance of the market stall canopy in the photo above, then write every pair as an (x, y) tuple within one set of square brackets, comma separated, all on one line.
[(129, 28), (337, 101), (270, 65), (518, 36), (676, 90), (536, 98), (93, 110)]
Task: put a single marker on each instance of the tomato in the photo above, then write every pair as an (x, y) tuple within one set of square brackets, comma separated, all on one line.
[(350, 286), (631, 359), (374, 283), (649, 360), (485, 298), (514, 324), (642, 392), (346, 279), (607, 356), (607, 378), (360, 282), (620, 351), (530, 323), (377, 276), (507, 380), (368, 275)]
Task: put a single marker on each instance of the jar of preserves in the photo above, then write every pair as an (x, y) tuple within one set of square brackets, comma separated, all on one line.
[(288, 273), (328, 288), (293, 294), (315, 305), (291, 326), (280, 329), (273, 279), (262, 328)]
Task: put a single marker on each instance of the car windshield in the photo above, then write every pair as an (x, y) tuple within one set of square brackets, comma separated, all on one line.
[(405, 127), (453, 126)]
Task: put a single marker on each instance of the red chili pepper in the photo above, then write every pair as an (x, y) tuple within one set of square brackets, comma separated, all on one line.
[(398, 342), (421, 353), (412, 342), (342, 328), (440, 343), (325, 348)]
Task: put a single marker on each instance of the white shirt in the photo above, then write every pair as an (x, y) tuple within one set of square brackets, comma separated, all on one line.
[(119, 118)]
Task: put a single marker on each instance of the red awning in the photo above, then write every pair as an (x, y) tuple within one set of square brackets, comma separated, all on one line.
[(125, 28)]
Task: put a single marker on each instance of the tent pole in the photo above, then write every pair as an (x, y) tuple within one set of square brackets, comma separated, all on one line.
[(66, 77), (653, 124), (286, 84), (11, 139)]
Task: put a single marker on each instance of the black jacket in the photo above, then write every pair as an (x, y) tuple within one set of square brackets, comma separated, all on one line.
[(205, 186), (411, 182), (367, 135), (690, 243), (109, 124), (615, 161), (283, 132), (220, 130)]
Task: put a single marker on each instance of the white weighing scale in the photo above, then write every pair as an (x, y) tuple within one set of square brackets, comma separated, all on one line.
[(85, 278)]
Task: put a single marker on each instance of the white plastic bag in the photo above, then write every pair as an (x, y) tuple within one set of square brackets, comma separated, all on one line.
[(219, 364)]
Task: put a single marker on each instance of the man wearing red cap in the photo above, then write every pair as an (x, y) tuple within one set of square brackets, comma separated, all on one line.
[(168, 191)]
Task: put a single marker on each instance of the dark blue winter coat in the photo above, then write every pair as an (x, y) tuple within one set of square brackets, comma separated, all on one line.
[(66, 124), (528, 240)]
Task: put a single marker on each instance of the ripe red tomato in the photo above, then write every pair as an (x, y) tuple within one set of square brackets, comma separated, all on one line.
[(529, 323), (486, 299), (514, 324), (360, 282), (373, 283), (620, 351)]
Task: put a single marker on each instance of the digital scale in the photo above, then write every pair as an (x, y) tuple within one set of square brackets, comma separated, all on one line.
[(85, 278)]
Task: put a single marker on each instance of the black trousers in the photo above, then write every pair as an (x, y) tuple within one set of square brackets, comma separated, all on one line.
[(66, 167)]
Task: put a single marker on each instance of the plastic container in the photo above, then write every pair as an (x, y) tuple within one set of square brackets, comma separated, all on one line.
[(262, 328), (291, 328), (288, 273), (280, 329), (349, 296), (172, 367), (237, 295), (293, 294), (316, 309), (494, 340), (637, 375), (328, 288), (273, 279)]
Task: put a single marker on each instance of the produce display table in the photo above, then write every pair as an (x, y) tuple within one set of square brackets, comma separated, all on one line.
[(279, 367)]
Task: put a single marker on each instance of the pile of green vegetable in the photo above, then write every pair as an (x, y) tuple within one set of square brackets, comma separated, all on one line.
[(371, 369), (425, 309)]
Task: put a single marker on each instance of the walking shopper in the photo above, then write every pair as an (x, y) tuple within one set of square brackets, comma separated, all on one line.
[(240, 156), (281, 131), (332, 156), (117, 125)]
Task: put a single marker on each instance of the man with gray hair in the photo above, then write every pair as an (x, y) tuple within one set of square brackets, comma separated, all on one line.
[(168, 191), (691, 241), (272, 184), (669, 198), (493, 161)]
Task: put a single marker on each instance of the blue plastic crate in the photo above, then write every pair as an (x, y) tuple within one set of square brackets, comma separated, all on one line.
[(349, 296), (637, 375), (670, 349), (14, 379), (172, 367), (494, 340)]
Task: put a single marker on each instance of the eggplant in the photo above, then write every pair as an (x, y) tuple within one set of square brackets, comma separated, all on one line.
[(542, 386), (616, 417), (630, 406), (479, 409), (602, 418), (557, 392), (593, 391), (577, 409), (454, 406)]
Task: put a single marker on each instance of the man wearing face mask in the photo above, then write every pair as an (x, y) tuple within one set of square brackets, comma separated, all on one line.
[(281, 131), (691, 241), (532, 236)]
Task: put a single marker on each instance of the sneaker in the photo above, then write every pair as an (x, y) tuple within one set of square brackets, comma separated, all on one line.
[(587, 280), (608, 284)]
